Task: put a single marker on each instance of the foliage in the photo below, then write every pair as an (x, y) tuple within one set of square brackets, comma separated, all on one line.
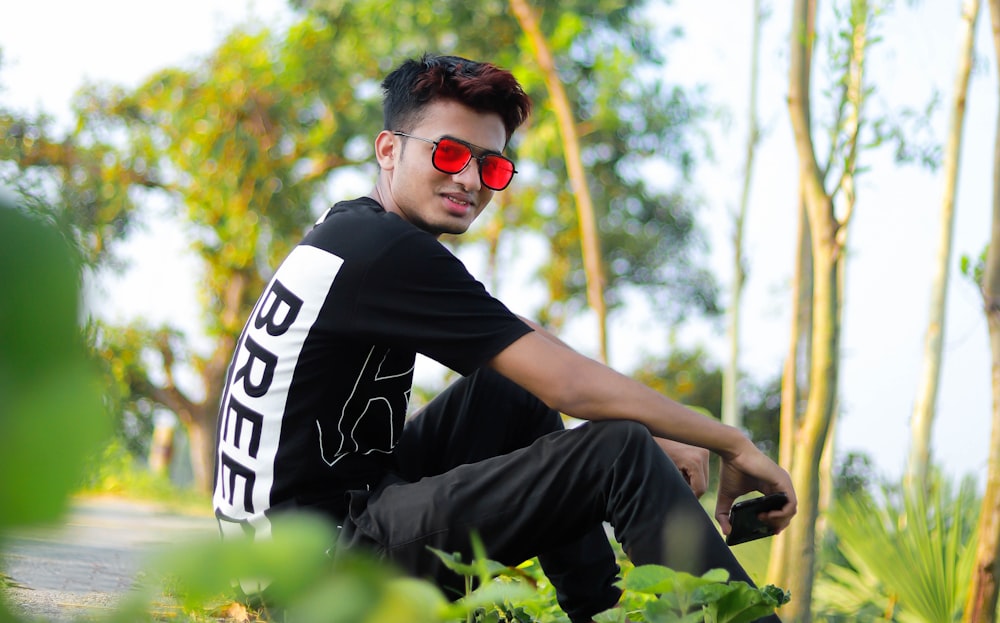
[(974, 269), (51, 416), (117, 472), (243, 142), (692, 378), (625, 123), (499, 591), (128, 356), (855, 474), (906, 556), (80, 181), (660, 594), (249, 143)]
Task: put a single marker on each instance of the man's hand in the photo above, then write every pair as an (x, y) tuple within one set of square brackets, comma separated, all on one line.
[(749, 471), (690, 460)]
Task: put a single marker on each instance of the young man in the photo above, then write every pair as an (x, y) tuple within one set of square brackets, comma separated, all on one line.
[(313, 413)]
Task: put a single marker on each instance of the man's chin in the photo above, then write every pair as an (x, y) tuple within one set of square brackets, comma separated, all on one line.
[(451, 227)]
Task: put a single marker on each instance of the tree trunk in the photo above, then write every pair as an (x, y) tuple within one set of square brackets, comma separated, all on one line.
[(800, 554), (982, 602), (794, 566), (589, 237), (730, 380), (161, 447), (201, 440), (792, 387), (924, 407)]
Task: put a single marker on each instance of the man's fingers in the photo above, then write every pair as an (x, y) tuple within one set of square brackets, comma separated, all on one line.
[(696, 480), (723, 519)]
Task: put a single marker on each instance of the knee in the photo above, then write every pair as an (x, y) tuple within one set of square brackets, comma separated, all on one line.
[(624, 432), (625, 438), (632, 442)]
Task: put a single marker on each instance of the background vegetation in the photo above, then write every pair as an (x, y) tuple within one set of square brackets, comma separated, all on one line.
[(245, 144)]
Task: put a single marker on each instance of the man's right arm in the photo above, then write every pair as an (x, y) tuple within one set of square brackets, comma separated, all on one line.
[(584, 388)]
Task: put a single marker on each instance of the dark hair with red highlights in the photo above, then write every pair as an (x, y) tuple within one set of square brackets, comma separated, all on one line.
[(484, 87)]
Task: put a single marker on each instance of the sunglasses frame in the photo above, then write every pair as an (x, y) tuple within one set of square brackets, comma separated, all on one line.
[(472, 156)]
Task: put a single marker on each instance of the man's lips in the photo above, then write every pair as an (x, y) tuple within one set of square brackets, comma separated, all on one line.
[(458, 204)]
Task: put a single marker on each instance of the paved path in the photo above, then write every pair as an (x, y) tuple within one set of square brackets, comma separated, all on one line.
[(84, 565)]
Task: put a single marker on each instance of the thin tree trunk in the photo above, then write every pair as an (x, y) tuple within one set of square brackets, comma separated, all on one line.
[(792, 387), (795, 570), (924, 407), (201, 440), (730, 380), (589, 238), (982, 601), (802, 40), (826, 480), (800, 549)]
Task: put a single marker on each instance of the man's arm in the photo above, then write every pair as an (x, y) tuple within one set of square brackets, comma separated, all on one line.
[(583, 388), (692, 461)]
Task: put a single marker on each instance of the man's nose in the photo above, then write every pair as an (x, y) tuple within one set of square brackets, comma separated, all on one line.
[(469, 176)]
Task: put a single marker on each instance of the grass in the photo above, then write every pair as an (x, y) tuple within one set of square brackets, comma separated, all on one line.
[(117, 473)]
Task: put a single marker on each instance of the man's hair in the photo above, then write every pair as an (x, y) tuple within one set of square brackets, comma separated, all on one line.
[(483, 87)]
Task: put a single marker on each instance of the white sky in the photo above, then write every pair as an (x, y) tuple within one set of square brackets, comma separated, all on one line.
[(51, 46)]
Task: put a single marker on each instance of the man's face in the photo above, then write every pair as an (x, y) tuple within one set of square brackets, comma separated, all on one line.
[(413, 188)]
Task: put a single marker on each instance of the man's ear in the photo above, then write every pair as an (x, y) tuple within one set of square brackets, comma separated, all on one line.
[(385, 150)]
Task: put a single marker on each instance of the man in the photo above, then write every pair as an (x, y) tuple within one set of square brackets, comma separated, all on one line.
[(313, 413)]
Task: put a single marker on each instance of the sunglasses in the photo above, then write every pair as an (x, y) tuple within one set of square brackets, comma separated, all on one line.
[(451, 156)]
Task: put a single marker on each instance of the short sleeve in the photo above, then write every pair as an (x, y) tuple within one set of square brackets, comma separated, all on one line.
[(417, 294)]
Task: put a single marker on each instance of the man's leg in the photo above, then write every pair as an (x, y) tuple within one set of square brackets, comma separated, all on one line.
[(486, 415), (549, 495)]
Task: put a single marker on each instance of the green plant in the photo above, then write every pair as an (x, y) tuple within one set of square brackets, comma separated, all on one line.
[(661, 595), (503, 593), (51, 413), (907, 557)]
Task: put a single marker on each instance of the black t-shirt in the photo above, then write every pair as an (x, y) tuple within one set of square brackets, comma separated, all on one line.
[(317, 391)]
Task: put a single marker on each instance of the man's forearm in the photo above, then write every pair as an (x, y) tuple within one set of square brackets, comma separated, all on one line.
[(583, 388)]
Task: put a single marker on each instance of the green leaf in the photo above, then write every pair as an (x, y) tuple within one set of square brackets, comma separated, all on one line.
[(454, 562), (743, 604), (924, 559), (291, 561), (650, 579), (51, 415)]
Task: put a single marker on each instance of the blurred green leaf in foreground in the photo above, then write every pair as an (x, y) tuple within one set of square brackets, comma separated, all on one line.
[(52, 416)]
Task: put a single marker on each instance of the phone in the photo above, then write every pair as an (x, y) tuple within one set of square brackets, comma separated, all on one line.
[(743, 518)]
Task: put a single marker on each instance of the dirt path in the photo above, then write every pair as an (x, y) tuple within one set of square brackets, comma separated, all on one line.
[(86, 564)]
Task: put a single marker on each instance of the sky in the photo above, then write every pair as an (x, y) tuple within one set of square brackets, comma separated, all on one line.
[(50, 47)]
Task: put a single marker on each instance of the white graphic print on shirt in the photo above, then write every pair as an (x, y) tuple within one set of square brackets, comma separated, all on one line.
[(258, 384), (366, 401)]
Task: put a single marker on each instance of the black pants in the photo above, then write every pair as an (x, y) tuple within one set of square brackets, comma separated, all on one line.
[(487, 456)]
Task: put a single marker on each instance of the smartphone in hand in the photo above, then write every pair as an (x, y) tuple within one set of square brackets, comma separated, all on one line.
[(743, 518)]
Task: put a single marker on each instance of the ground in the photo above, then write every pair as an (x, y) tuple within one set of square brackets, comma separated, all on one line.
[(89, 561)]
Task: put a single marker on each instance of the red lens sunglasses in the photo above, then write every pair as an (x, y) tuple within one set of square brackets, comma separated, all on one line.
[(451, 155)]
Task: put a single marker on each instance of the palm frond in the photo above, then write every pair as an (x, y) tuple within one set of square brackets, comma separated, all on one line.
[(909, 553)]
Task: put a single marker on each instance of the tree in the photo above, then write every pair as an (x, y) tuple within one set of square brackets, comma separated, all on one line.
[(982, 601), (922, 419), (245, 143), (828, 214), (589, 239), (692, 378), (89, 187), (626, 117), (78, 180), (730, 401)]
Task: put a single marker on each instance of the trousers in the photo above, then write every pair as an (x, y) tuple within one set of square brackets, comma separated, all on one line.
[(487, 457)]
